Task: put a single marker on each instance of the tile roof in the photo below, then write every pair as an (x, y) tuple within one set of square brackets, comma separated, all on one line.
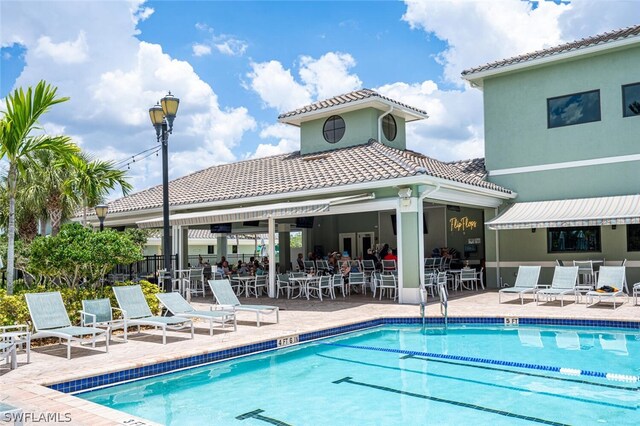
[(563, 48), (346, 98), (286, 173), (205, 234)]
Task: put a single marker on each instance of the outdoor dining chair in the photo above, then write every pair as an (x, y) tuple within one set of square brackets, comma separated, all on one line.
[(357, 279), (388, 282)]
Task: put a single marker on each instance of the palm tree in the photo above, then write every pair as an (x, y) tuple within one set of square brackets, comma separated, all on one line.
[(18, 145), (49, 186), (93, 179)]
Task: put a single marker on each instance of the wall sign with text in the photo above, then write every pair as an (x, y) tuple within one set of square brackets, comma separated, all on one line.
[(462, 224)]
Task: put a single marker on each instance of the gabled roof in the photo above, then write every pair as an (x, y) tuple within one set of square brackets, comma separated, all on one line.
[(359, 98), (560, 51), (293, 172)]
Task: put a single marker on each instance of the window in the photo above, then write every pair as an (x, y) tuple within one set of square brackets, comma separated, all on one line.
[(573, 109), (633, 237), (234, 249), (631, 100), (389, 127), (211, 249), (574, 239), (333, 129)]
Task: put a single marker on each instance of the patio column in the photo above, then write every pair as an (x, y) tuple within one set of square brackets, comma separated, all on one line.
[(409, 241), (272, 257), (184, 252), (176, 245), (221, 245), (284, 241)]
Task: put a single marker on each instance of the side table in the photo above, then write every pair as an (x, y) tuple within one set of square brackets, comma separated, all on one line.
[(20, 334)]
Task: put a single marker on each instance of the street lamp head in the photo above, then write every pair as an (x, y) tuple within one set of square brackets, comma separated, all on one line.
[(101, 211), (170, 108), (157, 117)]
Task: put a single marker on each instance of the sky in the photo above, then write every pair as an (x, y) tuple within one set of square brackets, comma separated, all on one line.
[(236, 65)]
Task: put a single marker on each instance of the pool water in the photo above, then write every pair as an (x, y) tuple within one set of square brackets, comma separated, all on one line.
[(404, 375)]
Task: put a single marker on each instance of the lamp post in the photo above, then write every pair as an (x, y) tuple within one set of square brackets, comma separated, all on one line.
[(101, 212), (162, 116)]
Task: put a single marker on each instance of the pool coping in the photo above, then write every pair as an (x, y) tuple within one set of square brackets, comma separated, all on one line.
[(153, 369)]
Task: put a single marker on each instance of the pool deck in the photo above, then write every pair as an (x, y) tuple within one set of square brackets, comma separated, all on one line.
[(25, 386)]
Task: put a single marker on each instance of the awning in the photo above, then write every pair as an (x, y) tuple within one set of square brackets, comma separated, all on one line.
[(620, 210), (280, 210)]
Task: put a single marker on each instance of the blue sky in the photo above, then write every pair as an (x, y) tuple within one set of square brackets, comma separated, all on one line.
[(236, 65)]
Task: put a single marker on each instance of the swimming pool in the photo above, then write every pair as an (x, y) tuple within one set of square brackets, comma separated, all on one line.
[(405, 375)]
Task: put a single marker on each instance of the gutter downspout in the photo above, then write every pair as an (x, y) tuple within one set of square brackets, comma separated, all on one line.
[(421, 228), (380, 123)]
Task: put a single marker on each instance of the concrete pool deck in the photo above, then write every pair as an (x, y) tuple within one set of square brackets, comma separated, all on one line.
[(26, 388)]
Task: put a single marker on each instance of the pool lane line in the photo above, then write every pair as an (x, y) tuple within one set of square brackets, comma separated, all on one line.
[(561, 370), (255, 414), (493, 385), (522, 373), (449, 401)]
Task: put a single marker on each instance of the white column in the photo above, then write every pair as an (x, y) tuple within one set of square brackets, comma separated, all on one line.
[(272, 257), (176, 244), (221, 243)]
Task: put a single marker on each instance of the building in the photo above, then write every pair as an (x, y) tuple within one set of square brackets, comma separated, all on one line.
[(352, 186), (562, 130)]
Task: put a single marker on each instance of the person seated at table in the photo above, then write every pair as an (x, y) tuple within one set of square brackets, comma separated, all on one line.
[(370, 256), (265, 263), (300, 262), (332, 261), (311, 256), (243, 269), (384, 251), (391, 256), (436, 252), (200, 261), (206, 270)]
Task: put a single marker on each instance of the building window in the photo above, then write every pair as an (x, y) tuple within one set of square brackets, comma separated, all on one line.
[(211, 249), (234, 249), (575, 239), (333, 129), (573, 109), (389, 127), (631, 100), (633, 237)]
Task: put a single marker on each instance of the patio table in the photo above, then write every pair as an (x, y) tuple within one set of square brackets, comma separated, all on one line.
[(304, 284)]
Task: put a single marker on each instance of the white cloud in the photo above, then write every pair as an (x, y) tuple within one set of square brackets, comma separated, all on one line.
[(276, 86), (454, 129), (122, 77), (232, 47), (289, 140), (201, 49), (66, 52), (329, 75)]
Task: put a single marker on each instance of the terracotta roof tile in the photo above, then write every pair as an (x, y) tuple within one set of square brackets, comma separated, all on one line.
[(356, 95), (293, 172), (563, 48)]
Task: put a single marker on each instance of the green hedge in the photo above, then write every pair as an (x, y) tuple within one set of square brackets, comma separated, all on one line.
[(13, 309)]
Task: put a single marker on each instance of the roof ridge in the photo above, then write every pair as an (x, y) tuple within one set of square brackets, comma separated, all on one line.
[(582, 43)]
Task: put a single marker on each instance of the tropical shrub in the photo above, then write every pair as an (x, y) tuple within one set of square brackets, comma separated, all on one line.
[(79, 255)]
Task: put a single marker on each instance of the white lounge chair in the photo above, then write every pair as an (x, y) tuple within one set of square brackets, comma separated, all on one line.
[(50, 319), (526, 282), (223, 293), (9, 413), (179, 307), (565, 279), (610, 276), (136, 311)]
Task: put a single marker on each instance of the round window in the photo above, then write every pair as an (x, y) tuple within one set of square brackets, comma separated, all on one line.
[(333, 129), (389, 127)]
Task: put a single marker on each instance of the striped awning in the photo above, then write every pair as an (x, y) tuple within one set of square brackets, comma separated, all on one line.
[(241, 214), (620, 210)]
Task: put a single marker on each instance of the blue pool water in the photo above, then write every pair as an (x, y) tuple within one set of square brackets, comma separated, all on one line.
[(403, 375)]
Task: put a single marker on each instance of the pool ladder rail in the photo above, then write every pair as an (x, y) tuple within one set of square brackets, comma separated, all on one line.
[(442, 292)]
